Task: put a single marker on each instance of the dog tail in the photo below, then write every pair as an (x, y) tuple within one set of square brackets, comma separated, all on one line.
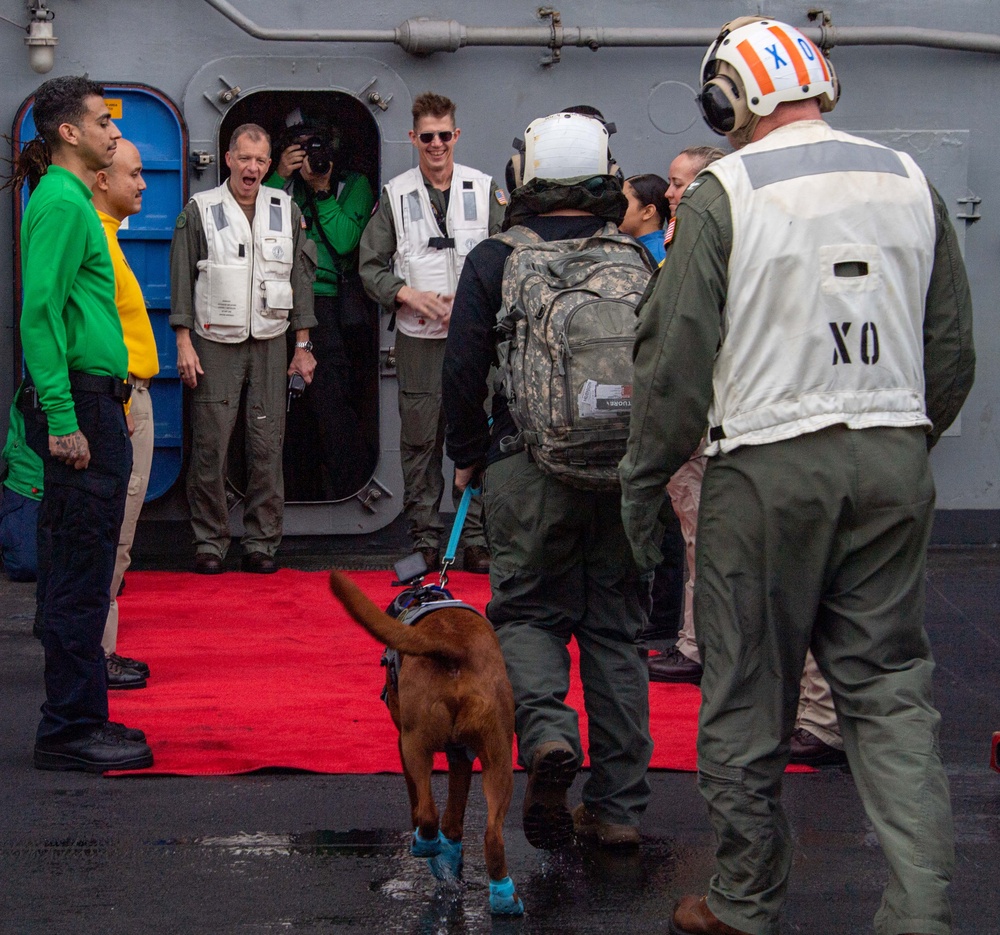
[(414, 641)]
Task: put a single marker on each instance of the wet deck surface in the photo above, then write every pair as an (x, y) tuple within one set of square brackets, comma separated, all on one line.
[(287, 852)]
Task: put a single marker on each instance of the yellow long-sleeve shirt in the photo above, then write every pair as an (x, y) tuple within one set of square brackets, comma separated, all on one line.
[(136, 328)]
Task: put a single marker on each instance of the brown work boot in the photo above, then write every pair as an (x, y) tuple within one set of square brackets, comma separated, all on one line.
[(693, 917), (432, 558), (547, 821), (590, 828), (476, 559)]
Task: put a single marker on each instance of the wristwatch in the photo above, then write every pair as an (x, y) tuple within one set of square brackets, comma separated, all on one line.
[(305, 345)]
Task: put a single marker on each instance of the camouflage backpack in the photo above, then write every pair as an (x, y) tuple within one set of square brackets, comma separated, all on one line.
[(567, 325)]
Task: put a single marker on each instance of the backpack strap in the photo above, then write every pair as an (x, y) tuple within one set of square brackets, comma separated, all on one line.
[(520, 235), (517, 236), (610, 232)]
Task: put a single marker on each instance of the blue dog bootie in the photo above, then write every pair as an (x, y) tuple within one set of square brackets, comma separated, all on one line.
[(420, 847), (503, 899), (448, 863)]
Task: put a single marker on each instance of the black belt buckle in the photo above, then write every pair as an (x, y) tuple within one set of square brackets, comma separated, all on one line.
[(96, 383)]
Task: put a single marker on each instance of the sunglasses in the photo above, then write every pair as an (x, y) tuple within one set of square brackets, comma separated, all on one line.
[(445, 136)]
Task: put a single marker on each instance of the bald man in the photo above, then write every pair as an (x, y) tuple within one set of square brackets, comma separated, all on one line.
[(117, 196)]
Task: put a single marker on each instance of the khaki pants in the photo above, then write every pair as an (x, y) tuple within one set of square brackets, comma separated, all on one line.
[(820, 542), (141, 411), (421, 443), (816, 711), (215, 404), (684, 490)]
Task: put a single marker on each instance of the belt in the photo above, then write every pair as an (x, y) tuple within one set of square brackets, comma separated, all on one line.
[(81, 383), (140, 383), (95, 383)]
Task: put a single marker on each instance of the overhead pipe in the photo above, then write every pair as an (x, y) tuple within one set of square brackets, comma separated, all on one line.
[(420, 36)]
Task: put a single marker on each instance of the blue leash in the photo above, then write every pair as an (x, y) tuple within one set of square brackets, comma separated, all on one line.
[(456, 533)]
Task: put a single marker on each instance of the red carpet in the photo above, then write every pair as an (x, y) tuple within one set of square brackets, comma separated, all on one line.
[(252, 671)]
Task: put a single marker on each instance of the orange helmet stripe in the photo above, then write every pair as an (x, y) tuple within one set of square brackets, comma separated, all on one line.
[(801, 72), (756, 66), (822, 59)]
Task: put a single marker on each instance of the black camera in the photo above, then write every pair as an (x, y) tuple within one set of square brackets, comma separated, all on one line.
[(319, 152)]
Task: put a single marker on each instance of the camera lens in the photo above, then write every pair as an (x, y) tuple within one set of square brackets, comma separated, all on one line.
[(318, 153)]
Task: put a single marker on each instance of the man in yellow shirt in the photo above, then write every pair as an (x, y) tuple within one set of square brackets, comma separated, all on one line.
[(118, 195)]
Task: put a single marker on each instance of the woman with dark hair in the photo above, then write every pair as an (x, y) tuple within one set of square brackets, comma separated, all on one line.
[(648, 208)]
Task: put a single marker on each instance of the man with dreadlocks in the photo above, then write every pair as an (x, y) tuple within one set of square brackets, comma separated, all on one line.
[(73, 404)]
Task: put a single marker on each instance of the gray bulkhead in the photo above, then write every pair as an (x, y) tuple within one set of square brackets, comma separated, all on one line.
[(215, 59)]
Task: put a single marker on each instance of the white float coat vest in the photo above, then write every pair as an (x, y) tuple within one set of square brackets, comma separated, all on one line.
[(833, 244), (243, 288), (427, 258)]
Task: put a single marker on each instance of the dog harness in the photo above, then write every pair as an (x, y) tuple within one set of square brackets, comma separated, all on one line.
[(408, 607)]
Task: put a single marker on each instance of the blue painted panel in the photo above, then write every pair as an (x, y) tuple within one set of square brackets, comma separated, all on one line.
[(151, 121)]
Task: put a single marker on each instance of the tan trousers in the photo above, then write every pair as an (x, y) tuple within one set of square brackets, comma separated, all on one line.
[(261, 366), (684, 490), (816, 712), (421, 444), (141, 411)]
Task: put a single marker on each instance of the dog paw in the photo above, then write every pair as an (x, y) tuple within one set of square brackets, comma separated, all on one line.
[(503, 898), (447, 865), (419, 847)]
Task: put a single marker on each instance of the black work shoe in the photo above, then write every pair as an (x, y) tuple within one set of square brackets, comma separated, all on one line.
[(808, 750), (127, 663), (120, 677), (258, 563), (102, 749), (128, 733), (674, 666), (205, 563), (476, 559), (547, 821)]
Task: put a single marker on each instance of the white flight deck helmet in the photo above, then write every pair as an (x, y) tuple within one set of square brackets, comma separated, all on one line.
[(565, 146), (756, 64)]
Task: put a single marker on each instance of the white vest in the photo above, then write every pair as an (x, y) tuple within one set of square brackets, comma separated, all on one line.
[(429, 268), (833, 243), (243, 289)]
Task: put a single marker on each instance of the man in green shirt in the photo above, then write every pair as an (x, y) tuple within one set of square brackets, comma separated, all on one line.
[(19, 499), (332, 457), (75, 422)]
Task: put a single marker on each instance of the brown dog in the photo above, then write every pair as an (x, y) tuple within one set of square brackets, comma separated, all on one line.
[(452, 692)]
